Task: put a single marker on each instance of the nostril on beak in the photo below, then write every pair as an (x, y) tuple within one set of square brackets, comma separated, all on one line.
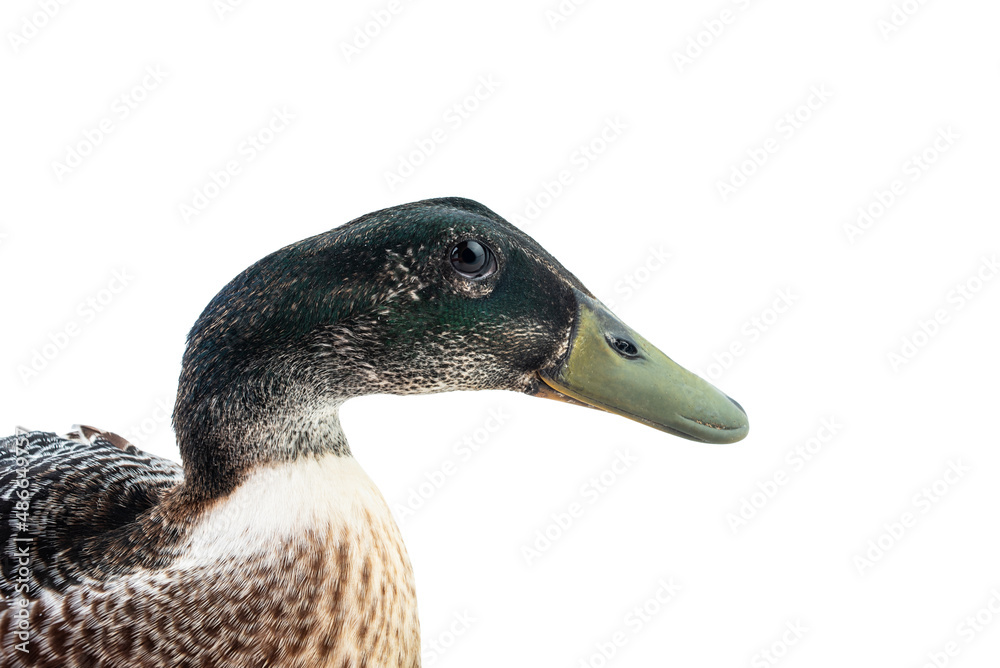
[(622, 346)]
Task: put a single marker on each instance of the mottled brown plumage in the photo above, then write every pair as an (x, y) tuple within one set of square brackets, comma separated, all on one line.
[(333, 589)]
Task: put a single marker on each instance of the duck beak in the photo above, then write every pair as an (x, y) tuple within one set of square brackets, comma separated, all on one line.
[(611, 367)]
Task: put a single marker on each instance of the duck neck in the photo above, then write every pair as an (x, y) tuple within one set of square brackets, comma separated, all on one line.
[(227, 430)]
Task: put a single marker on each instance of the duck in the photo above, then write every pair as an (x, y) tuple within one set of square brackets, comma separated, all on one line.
[(268, 545)]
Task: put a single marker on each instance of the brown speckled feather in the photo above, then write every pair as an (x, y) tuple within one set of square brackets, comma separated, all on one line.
[(323, 582)]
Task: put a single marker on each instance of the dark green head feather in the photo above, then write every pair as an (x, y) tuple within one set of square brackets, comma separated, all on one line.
[(373, 306)]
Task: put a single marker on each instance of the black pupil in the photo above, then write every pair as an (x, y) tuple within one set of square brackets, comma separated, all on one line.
[(468, 257)]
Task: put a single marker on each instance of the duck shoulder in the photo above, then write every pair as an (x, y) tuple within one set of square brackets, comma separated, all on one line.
[(66, 500)]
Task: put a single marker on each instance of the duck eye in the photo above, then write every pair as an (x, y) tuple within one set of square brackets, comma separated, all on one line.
[(473, 259)]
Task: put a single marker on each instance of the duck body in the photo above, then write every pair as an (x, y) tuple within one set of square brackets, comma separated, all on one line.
[(283, 571), (269, 546)]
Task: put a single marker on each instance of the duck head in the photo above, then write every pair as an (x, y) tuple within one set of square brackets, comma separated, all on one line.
[(425, 297)]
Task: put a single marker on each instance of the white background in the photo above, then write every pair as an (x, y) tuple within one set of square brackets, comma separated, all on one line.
[(685, 127)]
